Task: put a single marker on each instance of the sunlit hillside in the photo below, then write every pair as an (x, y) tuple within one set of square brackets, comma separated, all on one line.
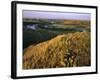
[(65, 50)]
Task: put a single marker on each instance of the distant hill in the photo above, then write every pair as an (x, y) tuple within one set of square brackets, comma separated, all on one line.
[(66, 50), (82, 23)]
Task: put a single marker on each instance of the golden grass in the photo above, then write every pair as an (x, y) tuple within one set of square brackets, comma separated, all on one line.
[(67, 50), (82, 23)]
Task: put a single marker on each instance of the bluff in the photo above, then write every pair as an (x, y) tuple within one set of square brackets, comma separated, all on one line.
[(66, 50)]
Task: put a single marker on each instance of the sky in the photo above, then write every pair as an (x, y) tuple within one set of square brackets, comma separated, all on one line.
[(55, 15)]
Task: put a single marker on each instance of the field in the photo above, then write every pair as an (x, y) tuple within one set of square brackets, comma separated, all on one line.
[(49, 43)]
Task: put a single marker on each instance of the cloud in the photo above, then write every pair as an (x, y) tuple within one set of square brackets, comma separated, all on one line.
[(56, 15)]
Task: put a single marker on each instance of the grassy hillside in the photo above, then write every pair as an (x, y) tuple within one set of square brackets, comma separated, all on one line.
[(66, 50)]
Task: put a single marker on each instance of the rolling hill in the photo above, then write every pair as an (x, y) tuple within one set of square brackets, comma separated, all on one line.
[(65, 50)]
